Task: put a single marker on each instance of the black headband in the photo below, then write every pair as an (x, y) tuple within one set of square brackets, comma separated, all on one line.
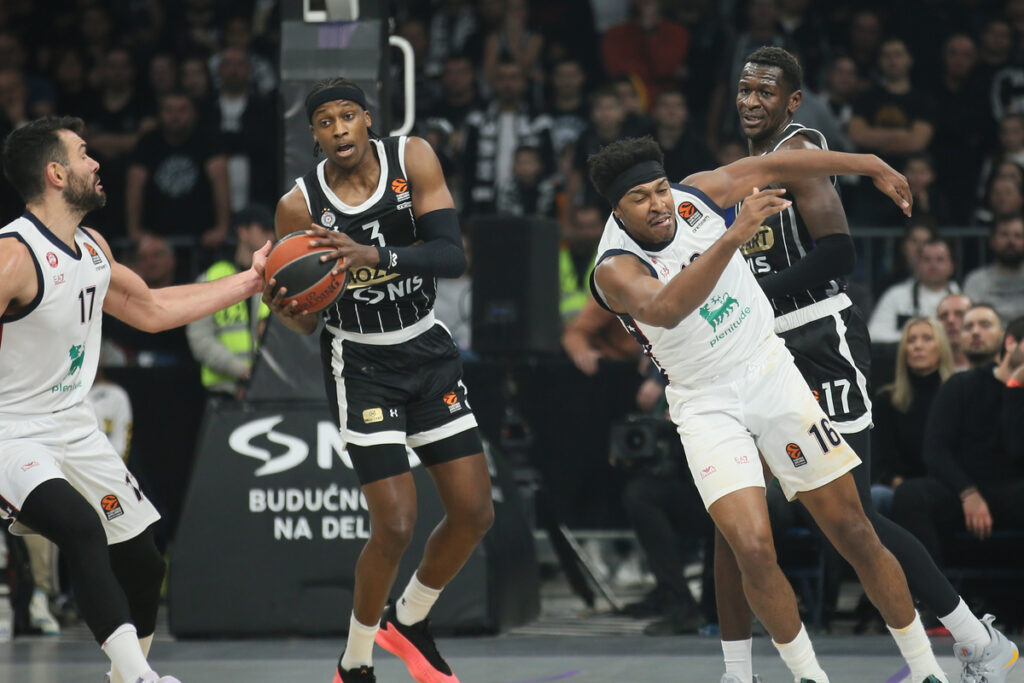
[(638, 174), (337, 92)]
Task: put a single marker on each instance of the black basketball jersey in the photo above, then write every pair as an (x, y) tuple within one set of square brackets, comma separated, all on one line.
[(783, 240), (374, 301)]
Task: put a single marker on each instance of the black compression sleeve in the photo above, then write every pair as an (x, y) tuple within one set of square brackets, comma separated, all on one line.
[(440, 255), (833, 256)]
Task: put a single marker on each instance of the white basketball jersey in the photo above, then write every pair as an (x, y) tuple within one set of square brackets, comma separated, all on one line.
[(49, 350), (724, 330)]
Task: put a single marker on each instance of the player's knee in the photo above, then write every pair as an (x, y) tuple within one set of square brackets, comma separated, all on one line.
[(81, 532), (853, 535), (754, 551), (393, 531)]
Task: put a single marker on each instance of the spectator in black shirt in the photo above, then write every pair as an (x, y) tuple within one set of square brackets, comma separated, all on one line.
[(685, 150), (974, 450), (118, 118), (607, 121), (894, 120), (924, 360), (567, 105), (178, 179), (528, 193)]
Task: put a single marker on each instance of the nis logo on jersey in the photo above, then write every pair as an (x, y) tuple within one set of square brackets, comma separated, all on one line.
[(371, 286), (753, 250)]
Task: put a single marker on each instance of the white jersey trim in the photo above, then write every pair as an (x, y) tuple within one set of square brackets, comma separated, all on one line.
[(386, 338), (301, 184), (812, 312), (341, 206)]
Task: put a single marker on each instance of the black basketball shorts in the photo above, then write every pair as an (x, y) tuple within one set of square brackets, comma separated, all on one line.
[(386, 397), (833, 353)]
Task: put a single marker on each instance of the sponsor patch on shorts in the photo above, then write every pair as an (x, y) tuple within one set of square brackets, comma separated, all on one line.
[(111, 507), (796, 456), (371, 415), (451, 399)]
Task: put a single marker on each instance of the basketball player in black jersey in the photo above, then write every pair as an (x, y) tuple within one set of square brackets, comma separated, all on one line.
[(801, 257), (393, 373)]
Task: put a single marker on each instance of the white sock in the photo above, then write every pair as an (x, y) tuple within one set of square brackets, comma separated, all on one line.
[(125, 653), (416, 601), (798, 655), (738, 658), (145, 644), (359, 648), (917, 650), (965, 627)]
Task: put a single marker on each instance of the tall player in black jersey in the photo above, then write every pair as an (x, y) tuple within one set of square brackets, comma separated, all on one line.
[(392, 371), (801, 257)]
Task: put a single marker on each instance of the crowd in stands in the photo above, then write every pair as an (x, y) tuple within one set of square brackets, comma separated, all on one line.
[(183, 113)]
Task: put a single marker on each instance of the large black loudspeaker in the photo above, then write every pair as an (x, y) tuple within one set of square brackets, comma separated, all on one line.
[(515, 285)]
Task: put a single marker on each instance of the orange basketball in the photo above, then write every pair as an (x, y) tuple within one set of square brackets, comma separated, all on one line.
[(296, 266)]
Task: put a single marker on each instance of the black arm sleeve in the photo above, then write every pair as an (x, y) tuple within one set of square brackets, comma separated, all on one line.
[(440, 255), (942, 436), (833, 256)]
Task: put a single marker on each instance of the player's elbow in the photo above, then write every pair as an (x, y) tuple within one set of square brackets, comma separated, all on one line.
[(453, 262)]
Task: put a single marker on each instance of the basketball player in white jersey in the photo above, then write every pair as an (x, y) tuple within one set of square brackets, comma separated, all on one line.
[(800, 258), (672, 272), (59, 475)]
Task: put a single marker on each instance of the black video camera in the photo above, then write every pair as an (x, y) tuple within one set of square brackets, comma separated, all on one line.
[(643, 440)]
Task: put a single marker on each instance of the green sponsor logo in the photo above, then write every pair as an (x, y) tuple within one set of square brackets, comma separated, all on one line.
[(77, 354), (724, 306)]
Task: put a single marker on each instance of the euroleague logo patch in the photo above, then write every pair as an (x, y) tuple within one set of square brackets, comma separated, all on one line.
[(111, 507), (796, 456), (690, 213), (451, 399), (401, 189), (96, 260)]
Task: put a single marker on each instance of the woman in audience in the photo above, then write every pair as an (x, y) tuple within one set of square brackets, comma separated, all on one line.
[(924, 360)]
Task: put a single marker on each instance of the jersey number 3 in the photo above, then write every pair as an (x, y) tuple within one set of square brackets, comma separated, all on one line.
[(374, 229)]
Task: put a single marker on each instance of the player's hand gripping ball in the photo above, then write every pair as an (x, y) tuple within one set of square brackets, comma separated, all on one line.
[(296, 266)]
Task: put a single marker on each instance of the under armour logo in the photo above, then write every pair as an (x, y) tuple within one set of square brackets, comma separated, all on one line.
[(394, 259), (393, 412)]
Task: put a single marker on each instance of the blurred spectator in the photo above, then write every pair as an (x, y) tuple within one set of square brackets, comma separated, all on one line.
[(427, 89), (119, 116), (248, 130), (805, 34), (528, 192), (842, 89), (74, 96), (1002, 282), (459, 96), (815, 112), (154, 261), (951, 312), (225, 343), (197, 83), (864, 41), (453, 303), (113, 409), (1010, 149), (178, 179), (924, 360), (915, 235), (685, 150), (493, 135), (451, 25), (962, 128), (647, 46), (917, 297), (514, 40), (580, 237), (894, 120), (607, 118), (162, 77), (238, 36), (995, 50), (489, 16), (729, 151), (635, 103), (14, 110), (95, 29), (723, 121), (568, 29), (928, 201), (567, 106), (974, 450), (982, 335), (1004, 197), (39, 93)]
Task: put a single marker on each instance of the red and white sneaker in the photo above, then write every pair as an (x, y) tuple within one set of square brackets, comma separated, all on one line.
[(415, 646)]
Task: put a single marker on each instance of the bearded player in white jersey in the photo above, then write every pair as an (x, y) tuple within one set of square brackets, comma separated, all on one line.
[(672, 272), (59, 476)]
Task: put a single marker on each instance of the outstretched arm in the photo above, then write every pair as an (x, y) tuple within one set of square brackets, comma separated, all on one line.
[(727, 185), (629, 287), (130, 299)]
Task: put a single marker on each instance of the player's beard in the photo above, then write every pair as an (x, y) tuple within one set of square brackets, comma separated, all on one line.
[(81, 194), (1011, 258)]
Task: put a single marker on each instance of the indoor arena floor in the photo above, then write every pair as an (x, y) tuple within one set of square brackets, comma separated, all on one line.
[(544, 652)]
